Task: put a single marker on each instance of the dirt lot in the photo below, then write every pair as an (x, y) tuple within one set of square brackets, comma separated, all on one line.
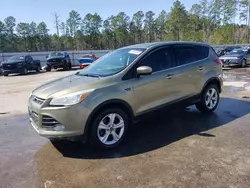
[(179, 148)]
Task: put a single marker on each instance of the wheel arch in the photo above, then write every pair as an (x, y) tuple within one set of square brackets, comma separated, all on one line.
[(118, 103), (213, 80)]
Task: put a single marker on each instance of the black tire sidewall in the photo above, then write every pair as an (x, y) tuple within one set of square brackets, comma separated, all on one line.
[(243, 63), (38, 69), (94, 140), (48, 69), (24, 71), (70, 66)]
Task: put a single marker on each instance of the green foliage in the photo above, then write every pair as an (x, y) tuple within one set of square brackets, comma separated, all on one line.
[(212, 21)]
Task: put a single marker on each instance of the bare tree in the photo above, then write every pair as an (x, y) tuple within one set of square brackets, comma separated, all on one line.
[(56, 22)]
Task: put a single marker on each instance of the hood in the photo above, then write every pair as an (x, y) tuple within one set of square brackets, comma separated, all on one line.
[(68, 84), (17, 61)]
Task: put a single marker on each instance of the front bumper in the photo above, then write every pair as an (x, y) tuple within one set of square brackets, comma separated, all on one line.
[(64, 122), (231, 62), (10, 71)]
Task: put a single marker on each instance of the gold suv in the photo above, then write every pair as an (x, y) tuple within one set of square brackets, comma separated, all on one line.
[(99, 103)]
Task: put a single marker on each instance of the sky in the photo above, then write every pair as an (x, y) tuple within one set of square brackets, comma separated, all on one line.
[(43, 10)]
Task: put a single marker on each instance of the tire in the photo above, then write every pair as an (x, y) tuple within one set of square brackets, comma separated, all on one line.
[(24, 71), (5, 74), (243, 63), (102, 130), (65, 66), (69, 66), (209, 103), (48, 69), (38, 69)]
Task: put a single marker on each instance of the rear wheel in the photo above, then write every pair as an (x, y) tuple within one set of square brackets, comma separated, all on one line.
[(109, 128), (5, 74), (209, 99)]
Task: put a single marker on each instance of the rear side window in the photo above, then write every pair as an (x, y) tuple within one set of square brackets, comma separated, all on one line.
[(190, 53)]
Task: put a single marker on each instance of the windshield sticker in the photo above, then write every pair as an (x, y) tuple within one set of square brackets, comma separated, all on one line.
[(135, 52)]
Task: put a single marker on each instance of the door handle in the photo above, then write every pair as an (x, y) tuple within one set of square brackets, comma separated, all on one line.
[(169, 76), (201, 68)]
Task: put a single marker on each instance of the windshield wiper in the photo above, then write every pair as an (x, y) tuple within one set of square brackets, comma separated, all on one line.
[(91, 75)]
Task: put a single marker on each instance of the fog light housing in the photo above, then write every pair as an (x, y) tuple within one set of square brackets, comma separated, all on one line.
[(59, 127)]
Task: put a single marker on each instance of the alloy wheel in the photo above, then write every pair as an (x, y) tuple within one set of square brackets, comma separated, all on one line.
[(211, 98), (111, 129)]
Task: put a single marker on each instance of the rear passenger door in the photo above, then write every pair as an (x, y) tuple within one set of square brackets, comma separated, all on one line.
[(192, 62)]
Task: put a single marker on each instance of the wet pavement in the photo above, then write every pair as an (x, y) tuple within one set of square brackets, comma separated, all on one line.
[(172, 148)]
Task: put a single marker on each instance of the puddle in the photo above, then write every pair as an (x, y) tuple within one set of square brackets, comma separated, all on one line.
[(236, 80)]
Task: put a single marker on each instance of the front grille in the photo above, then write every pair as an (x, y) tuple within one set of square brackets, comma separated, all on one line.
[(10, 66), (38, 100), (48, 122)]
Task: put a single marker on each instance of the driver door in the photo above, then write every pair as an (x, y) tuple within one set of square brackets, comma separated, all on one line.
[(154, 90)]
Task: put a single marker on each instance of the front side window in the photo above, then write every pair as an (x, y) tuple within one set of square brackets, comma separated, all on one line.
[(112, 62), (160, 60)]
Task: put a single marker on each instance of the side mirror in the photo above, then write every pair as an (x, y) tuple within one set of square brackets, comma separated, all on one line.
[(143, 70)]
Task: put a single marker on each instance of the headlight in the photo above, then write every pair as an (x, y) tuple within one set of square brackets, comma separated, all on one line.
[(72, 98)]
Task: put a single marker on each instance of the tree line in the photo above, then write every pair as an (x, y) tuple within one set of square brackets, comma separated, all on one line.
[(211, 21)]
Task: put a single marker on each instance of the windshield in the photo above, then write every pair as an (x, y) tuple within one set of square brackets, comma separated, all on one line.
[(15, 58), (237, 52), (112, 63), (55, 54)]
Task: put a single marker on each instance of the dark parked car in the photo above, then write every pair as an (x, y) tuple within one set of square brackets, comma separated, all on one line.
[(57, 60), (1, 68), (237, 57), (225, 50), (20, 64)]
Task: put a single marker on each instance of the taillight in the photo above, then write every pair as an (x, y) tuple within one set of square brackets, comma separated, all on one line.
[(218, 62)]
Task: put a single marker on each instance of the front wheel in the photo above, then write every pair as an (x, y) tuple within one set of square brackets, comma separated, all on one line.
[(109, 128), (243, 63), (5, 74), (70, 66), (209, 99), (38, 69), (24, 71), (48, 69)]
